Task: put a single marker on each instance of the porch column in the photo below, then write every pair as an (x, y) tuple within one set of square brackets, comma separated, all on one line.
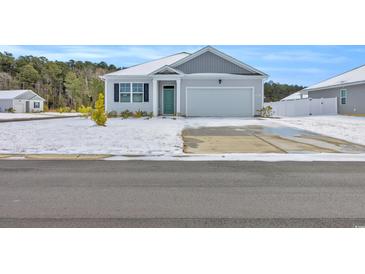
[(155, 97), (178, 105)]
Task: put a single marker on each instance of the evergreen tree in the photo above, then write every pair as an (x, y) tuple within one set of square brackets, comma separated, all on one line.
[(98, 115)]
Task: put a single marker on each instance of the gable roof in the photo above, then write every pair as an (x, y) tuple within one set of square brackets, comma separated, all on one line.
[(220, 54), (165, 69), (151, 66), (351, 77), (170, 63), (19, 94)]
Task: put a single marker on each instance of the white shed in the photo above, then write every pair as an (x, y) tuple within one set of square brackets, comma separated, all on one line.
[(20, 101)]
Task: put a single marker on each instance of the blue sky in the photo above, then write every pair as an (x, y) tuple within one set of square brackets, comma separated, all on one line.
[(304, 65)]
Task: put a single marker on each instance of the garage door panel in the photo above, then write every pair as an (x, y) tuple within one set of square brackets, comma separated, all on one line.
[(19, 107), (219, 102)]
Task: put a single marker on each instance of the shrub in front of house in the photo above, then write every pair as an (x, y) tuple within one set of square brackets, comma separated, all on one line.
[(98, 115), (126, 114), (138, 114), (112, 114), (266, 112)]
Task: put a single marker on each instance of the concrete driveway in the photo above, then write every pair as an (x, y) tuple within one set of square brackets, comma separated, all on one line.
[(262, 139)]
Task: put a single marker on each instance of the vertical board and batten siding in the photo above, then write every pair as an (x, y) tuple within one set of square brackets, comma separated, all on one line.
[(355, 98), (256, 84), (118, 106), (211, 63), (304, 107)]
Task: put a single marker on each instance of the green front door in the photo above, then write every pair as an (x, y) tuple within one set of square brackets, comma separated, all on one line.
[(168, 100)]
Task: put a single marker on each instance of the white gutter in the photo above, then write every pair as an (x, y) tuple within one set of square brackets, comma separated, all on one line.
[(335, 86)]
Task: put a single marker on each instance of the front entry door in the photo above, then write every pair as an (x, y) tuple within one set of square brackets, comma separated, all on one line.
[(168, 100), (27, 106)]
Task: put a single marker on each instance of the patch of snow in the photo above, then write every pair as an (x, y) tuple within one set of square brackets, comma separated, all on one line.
[(156, 136), (160, 138), (349, 128), (15, 116)]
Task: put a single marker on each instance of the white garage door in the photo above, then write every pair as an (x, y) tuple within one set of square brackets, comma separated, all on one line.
[(227, 101), (19, 106)]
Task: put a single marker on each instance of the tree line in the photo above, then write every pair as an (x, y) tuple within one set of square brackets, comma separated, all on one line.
[(61, 84), (75, 83), (276, 91)]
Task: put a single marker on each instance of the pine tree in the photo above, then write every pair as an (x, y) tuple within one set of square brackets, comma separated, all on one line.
[(98, 115)]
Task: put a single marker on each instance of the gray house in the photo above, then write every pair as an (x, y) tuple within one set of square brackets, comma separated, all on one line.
[(23, 100), (205, 83), (349, 88)]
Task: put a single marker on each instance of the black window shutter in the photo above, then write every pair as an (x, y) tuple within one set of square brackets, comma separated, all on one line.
[(146, 92), (116, 92)]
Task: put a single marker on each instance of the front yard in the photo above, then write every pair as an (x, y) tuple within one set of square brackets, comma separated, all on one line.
[(156, 136)]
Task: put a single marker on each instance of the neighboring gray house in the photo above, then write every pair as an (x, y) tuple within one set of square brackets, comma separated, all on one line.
[(349, 88), (20, 101), (205, 83)]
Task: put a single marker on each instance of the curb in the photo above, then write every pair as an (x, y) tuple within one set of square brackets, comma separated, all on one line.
[(55, 156)]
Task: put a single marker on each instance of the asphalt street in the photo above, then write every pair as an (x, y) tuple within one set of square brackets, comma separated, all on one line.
[(181, 194)]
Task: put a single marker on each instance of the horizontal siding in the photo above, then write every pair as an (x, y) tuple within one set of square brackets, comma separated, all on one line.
[(355, 98), (118, 106)]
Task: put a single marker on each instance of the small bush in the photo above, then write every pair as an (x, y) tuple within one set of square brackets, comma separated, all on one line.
[(45, 108), (138, 114), (126, 114), (85, 111), (113, 114), (64, 109), (10, 110), (98, 115), (266, 112), (150, 114)]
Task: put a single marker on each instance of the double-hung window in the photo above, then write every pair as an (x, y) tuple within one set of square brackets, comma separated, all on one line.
[(137, 91), (36, 105), (125, 92), (343, 96)]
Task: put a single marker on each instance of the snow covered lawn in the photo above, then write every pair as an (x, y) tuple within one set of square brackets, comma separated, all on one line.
[(153, 137), (343, 127), (15, 116), (156, 136)]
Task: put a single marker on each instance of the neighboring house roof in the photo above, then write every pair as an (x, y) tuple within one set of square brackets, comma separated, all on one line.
[(295, 96), (352, 77), (170, 64), (150, 67), (19, 94)]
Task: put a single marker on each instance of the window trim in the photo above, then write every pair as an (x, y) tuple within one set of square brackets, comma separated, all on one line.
[(137, 92), (343, 96), (131, 92), (123, 92)]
